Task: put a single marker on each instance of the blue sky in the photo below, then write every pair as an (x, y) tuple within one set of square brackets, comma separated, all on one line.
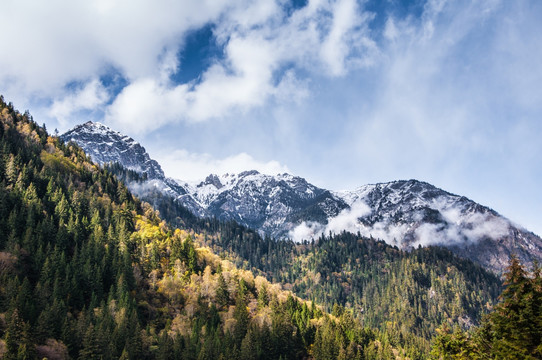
[(341, 92)]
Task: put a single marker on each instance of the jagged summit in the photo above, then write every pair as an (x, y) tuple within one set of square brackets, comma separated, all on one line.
[(411, 213), (105, 145), (269, 203)]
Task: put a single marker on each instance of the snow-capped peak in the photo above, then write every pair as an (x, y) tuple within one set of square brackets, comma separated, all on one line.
[(105, 145), (248, 182)]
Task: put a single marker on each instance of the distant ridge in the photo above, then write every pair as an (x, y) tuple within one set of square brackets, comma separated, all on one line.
[(406, 213)]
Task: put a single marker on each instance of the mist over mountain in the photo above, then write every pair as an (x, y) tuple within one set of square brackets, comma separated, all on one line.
[(406, 213)]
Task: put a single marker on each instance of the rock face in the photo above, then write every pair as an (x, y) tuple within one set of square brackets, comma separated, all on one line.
[(271, 204), (404, 213), (412, 213), (105, 145)]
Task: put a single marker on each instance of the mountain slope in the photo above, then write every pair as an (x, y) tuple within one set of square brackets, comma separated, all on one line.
[(271, 204), (105, 145), (411, 213)]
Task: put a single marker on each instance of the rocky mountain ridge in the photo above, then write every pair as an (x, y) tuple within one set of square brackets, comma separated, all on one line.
[(406, 213), (270, 204), (413, 213), (105, 145)]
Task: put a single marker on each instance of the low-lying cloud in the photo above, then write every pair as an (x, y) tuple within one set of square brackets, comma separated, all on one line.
[(461, 226), (458, 226), (347, 220)]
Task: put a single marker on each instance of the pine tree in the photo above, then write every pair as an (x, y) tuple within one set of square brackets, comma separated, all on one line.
[(13, 335), (263, 299), (222, 293), (241, 316), (249, 349)]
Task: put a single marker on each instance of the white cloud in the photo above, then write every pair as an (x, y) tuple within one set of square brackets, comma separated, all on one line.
[(263, 49), (306, 231), (342, 37), (63, 41), (327, 37), (346, 220), (92, 95), (186, 166), (146, 104), (391, 233)]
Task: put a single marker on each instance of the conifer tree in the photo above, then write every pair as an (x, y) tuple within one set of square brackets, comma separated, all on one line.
[(222, 293), (263, 299)]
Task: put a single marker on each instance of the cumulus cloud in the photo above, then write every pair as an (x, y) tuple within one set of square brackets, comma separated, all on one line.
[(259, 41), (67, 41), (264, 45), (181, 164), (89, 97), (146, 104)]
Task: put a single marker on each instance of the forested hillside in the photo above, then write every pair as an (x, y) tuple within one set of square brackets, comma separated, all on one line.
[(513, 330), (405, 296), (89, 272)]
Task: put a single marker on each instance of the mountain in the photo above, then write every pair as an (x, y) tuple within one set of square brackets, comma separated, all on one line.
[(403, 213), (91, 272), (270, 204), (412, 213), (105, 145)]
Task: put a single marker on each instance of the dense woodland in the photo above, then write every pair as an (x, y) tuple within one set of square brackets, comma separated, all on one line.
[(404, 296), (88, 271), (513, 330)]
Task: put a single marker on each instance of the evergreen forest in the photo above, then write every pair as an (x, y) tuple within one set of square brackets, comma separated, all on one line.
[(90, 271)]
